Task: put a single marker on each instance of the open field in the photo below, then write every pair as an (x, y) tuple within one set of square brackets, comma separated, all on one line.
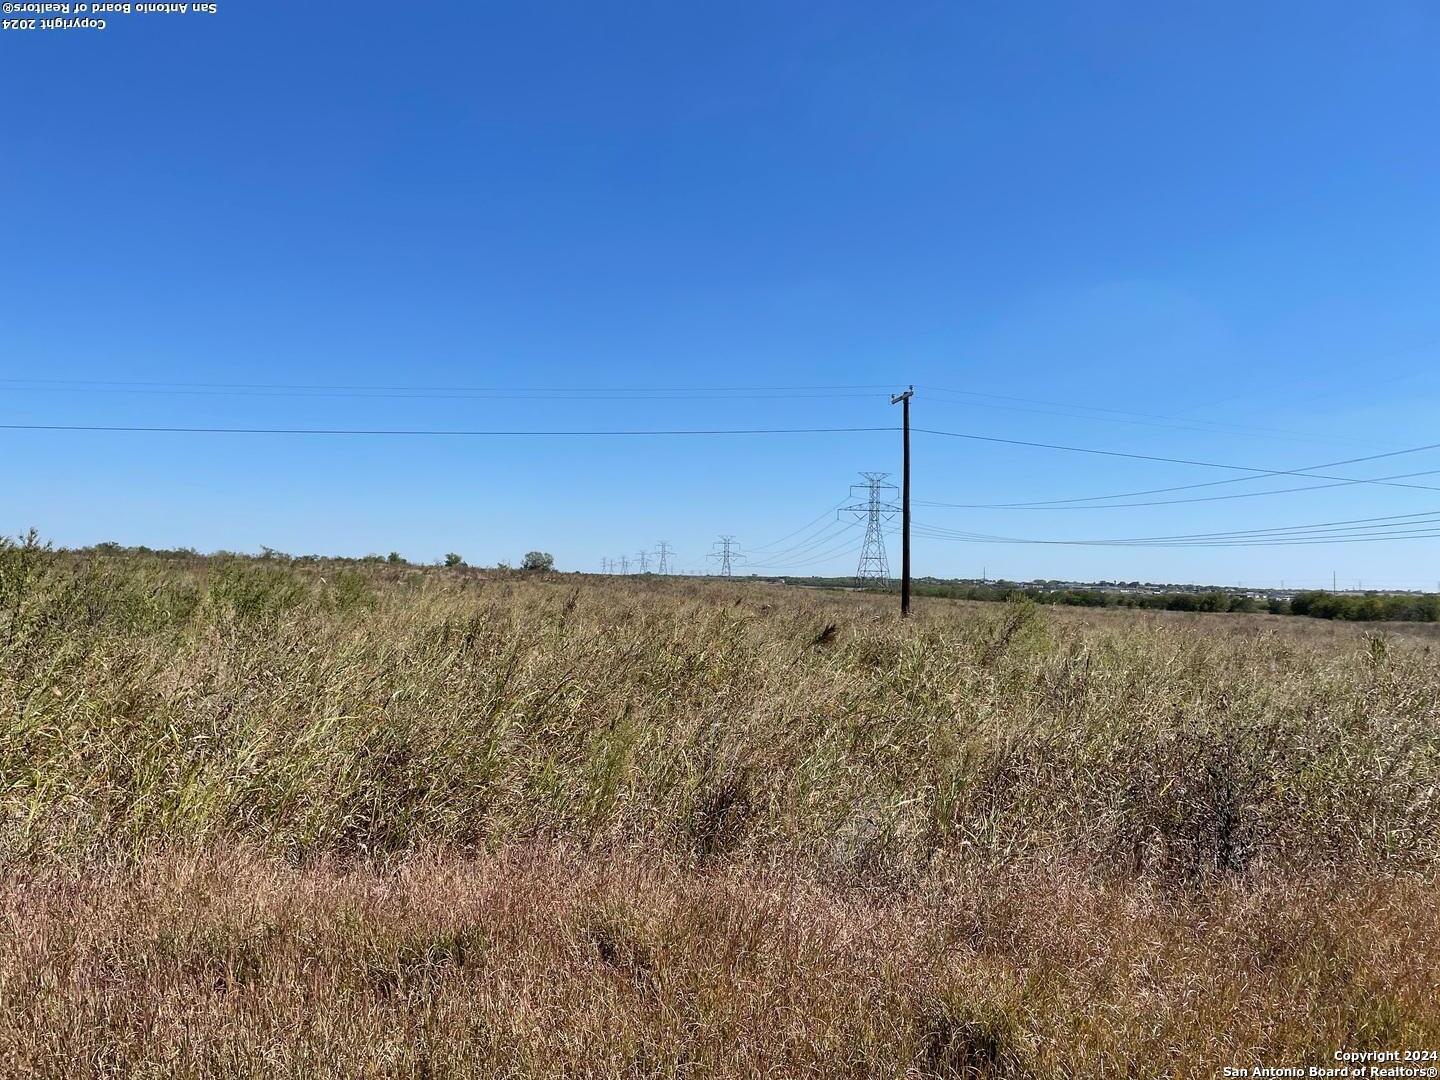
[(260, 818), (1289, 628)]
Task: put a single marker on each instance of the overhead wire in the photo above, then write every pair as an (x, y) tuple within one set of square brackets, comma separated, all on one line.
[(824, 536), (1199, 499), (169, 430), (807, 550), (1369, 522), (1125, 416), (1300, 539), (821, 517), (815, 559), (1308, 471), (477, 395), (1420, 524), (160, 386)]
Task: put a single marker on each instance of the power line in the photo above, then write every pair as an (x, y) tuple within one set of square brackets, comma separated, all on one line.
[(823, 535), (1298, 541), (663, 553), (431, 431), (1351, 524), (816, 554), (873, 562), (1200, 499), (1308, 471), (824, 514), (1168, 460), (1374, 522), (441, 395), (682, 432), (1338, 531), (159, 384), (814, 558), (1121, 416)]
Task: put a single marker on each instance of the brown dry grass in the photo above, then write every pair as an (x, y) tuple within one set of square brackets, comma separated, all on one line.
[(548, 961), (266, 820)]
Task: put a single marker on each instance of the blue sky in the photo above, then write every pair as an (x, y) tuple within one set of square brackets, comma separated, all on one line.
[(1219, 222)]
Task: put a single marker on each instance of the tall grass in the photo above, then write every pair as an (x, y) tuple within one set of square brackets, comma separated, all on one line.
[(745, 779), (549, 961), (335, 712)]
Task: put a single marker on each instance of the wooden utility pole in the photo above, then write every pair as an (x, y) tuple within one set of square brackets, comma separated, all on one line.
[(904, 400)]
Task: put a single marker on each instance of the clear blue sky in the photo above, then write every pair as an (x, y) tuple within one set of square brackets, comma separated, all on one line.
[(1225, 214)]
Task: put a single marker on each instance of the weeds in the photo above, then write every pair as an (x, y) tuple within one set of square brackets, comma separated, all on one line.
[(456, 716), (547, 961), (277, 817)]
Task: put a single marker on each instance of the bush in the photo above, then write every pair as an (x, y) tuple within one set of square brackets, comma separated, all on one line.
[(253, 589), (538, 560), (353, 590)]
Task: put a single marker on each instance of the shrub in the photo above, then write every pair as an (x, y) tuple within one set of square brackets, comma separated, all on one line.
[(252, 589), (538, 560)]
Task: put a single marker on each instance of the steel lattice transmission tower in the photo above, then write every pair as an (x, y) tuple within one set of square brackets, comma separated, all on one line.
[(642, 560), (663, 552), (727, 555), (876, 509)]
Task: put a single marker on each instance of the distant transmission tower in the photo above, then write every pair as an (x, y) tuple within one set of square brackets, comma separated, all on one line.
[(643, 559), (663, 553), (604, 565), (624, 564), (877, 509), (727, 555)]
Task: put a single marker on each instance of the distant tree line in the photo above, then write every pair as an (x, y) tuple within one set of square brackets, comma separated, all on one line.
[(534, 561), (1362, 607), (1204, 600), (1367, 607)]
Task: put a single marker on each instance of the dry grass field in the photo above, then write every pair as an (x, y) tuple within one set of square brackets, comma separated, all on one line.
[(260, 818)]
